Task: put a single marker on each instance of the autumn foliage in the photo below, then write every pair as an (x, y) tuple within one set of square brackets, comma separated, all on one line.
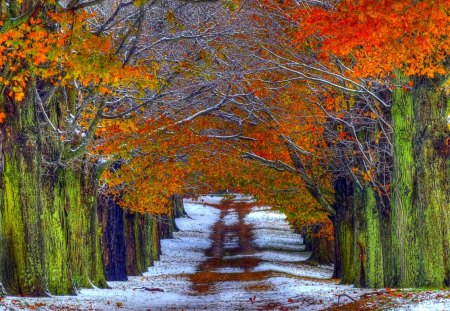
[(408, 35), (72, 53)]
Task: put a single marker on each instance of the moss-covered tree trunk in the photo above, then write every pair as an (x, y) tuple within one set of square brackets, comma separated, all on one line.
[(143, 233), (132, 244), (420, 187), (367, 244), (150, 240), (69, 191), (58, 187), (57, 264), (71, 232), (343, 231), (84, 231), (22, 270), (141, 241), (358, 235)]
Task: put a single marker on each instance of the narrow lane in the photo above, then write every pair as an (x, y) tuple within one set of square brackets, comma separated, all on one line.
[(256, 258), (232, 254)]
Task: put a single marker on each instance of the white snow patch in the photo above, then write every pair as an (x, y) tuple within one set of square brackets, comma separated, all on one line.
[(185, 251), (283, 256), (277, 256), (231, 218), (243, 198), (206, 199), (271, 231), (304, 271), (229, 270), (427, 306)]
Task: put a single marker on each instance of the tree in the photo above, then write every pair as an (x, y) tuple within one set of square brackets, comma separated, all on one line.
[(63, 67), (404, 45)]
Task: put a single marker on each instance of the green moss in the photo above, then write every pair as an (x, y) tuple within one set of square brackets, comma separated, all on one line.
[(431, 200), (139, 226), (420, 188), (375, 270), (13, 231), (347, 256), (55, 234), (405, 246), (22, 269), (84, 231)]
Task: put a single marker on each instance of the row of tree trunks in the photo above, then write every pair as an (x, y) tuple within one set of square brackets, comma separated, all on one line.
[(130, 240), (401, 241), (49, 225), (166, 223), (166, 226), (48, 231), (358, 241)]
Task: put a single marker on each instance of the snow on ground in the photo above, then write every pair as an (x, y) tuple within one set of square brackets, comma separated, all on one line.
[(275, 278), (207, 199), (294, 269), (231, 218), (180, 256), (271, 231), (183, 253), (277, 256), (167, 285)]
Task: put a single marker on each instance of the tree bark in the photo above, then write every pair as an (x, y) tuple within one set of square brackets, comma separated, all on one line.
[(142, 242), (343, 227), (111, 220), (84, 231), (322, 251), (368, 251), (420, 187), (22, 269)]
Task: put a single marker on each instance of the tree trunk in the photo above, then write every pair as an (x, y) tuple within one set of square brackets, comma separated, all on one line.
[(84, 234), (307, 240), (343, 227), (178, 206), (111, 220), (368, 252), (58, 272), (420, 187), (22, 269), (142, 242), (165, 226), (322, 251)]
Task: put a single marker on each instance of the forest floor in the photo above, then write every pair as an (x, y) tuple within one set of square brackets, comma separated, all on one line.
[(233, 255)]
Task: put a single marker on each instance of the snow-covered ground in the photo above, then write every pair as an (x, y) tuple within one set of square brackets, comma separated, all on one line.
[(266, 274)]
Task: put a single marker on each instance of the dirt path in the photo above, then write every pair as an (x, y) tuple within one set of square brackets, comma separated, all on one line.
[(238, 262), (231, 257)]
